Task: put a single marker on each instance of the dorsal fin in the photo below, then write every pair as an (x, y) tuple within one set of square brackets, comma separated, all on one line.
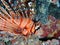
[(5, 12), (11, 12), (8, 21)]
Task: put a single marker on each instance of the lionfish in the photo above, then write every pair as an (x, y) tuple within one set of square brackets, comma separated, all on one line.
[(15, 23), (20, 24)]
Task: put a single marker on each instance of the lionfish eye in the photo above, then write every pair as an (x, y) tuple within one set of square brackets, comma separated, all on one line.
[(37, 27)]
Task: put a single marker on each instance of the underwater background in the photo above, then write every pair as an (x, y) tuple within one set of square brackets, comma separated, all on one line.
[(41, 9)]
